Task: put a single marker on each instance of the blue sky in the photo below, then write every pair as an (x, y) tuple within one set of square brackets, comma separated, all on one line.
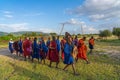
[(46, 15)]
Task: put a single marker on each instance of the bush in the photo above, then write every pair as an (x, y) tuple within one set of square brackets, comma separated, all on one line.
[(116, 31), (105, 33), (8, 37), (53, 34)]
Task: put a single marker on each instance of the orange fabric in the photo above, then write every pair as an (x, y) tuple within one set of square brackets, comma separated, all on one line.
[(82, 50), (62, 48), (91, 41)]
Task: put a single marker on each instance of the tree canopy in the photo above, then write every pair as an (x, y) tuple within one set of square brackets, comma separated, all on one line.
[(105, 33), (116, 31)]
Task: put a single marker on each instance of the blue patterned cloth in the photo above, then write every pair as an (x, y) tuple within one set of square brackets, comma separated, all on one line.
[(20, 46), (58, 45), (68, 59), (36, 51), (44, 47), (11, 46)]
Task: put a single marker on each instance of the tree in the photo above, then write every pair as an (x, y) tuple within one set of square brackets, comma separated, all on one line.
[(26, 34), (53, 34), (10, 35), (116, 31), (78, 35), (33, 34), (105, 33), (41, 34)]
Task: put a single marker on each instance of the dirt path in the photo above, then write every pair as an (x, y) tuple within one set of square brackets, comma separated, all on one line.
[(111, 53), (114, 53), (4, 51)]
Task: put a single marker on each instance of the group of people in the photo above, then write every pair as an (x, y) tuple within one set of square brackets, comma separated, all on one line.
[(68, 49)]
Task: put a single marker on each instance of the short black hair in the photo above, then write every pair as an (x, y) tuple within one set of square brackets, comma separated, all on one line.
[(53, 38), (35, 39), (84, 37)]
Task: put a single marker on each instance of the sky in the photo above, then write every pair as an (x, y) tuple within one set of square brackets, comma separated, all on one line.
[(47, 16)]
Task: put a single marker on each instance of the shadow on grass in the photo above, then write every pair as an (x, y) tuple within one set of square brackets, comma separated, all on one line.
[(27, 73)]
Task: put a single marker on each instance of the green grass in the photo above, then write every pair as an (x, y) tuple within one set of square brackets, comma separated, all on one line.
[(110, 44), (3, 44), (101, 67)]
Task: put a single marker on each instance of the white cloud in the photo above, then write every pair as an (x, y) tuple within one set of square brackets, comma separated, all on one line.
[(98, 9), (91, 30), (7, 12), (34, 14), (74, 22), (23, 27), (77, 26), (87, 29), (13, 27), (44, 30), (96, 17), (109, 26), (8, 16)]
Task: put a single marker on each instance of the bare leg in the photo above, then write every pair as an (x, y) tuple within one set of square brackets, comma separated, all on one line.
[(44, 61), (76, 59), (19, 54), (29, 57), (32, 59), (90, 51), (57, 64), (25, 58), (38, 60), (73, 66), (50, 64), (66, 66), (87, 61), (16, 52), (11, 51)]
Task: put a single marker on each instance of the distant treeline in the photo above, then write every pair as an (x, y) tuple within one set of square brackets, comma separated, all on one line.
[(108, 33), (102, 34)]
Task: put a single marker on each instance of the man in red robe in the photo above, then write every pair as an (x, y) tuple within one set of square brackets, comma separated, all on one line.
[(82, 50), (53, 53), (26, 48)]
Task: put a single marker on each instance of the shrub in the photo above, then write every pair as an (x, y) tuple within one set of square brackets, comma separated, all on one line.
[(116, 31)]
